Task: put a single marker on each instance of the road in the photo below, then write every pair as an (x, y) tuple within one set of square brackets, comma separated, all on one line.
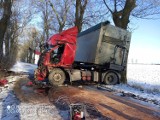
[(105, 105)]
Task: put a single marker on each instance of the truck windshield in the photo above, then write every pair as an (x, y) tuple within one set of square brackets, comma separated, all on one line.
[(46, 46), (50, 46), (56, 54)]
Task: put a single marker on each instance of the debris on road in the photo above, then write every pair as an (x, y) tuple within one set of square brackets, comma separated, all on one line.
[(3, 82)]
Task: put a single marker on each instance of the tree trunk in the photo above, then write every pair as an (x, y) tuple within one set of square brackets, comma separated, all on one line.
[(80, 9), (30, 55), (7, 43), (7, 4), (61, 28), (121, 18)]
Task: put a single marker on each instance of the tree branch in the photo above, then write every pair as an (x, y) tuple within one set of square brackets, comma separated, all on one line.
[(56, 13), (107, 6)]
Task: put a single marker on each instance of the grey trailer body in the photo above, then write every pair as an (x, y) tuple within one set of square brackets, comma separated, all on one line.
[(103, 44), (101, 54)]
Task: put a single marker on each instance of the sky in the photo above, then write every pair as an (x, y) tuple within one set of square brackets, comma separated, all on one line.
[(145, 42)]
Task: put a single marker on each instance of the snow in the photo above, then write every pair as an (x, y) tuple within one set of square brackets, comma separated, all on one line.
[(138, 93), (36, 59), (7, 98), (11, 108), (144, 76), (143, 82), (24, 67)]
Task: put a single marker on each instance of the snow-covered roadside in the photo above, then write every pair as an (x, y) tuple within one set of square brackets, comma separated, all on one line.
[(24, 67), (143, 83), (139, 94), (144, 76), (11, 108), (7, 99)]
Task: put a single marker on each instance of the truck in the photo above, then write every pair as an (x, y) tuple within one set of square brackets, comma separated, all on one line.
[(98, 54)]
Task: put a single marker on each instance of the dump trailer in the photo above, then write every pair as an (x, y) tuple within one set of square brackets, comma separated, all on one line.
[(97, 54)]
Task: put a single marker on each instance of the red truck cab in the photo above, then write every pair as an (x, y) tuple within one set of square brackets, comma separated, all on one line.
[(59, 52)]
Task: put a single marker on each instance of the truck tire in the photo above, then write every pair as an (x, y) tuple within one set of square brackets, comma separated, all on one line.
[(57, 77), (111, 78)]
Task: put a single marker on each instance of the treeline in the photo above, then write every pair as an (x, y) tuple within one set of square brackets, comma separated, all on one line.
[(13, 19)]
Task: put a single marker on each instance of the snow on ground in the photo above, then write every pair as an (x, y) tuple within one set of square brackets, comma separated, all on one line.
[(24, 67), (144, 76), (139, 94), (13, 109), (143, 82)]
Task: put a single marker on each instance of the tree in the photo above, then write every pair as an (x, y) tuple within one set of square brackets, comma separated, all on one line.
[(6, 6), (79, 13), (18, 18), (123, 10), (121, 17), (86, 13), (61, 9), (62, 14), (43, 9), (32, 37)]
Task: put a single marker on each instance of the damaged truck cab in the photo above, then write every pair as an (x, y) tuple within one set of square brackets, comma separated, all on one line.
[(96, 54)]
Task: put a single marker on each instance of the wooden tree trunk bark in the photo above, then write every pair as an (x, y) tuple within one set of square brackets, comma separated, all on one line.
[(80, 9), (7, 5)]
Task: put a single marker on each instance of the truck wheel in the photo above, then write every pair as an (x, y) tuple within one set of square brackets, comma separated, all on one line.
[(111, 78), (57, 77)]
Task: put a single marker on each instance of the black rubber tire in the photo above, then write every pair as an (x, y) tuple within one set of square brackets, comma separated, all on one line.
[(57, 77), (111, 78)]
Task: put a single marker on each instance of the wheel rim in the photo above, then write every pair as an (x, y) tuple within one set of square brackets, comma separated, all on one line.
[(111, 78), (57, 77)]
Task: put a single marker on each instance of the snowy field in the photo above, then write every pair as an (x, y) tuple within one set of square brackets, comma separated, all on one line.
[(144, 76)]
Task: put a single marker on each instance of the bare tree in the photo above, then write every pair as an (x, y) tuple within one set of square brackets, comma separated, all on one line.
[(122, 11), (61, 10), (46, 21), (32, 37), (6, 6), (58, 15), (86, 13), (79, 13), (17, 19), (121, 16), (43, 9)]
